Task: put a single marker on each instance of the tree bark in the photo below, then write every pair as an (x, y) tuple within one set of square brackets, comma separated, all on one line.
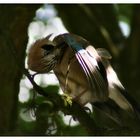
[(13, 36)]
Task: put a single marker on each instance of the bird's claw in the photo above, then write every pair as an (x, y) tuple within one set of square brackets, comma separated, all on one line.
[(67, 99)]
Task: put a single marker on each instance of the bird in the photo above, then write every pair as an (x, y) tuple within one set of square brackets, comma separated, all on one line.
[(84, 73)]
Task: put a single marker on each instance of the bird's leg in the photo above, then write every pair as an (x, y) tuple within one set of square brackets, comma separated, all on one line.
[(67, 98)]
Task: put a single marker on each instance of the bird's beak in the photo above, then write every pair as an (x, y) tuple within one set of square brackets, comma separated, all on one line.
[(48, 37)]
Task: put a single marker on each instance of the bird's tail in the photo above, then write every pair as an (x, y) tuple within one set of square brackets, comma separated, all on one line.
[(120, 106), (122, 109), (133, 108)]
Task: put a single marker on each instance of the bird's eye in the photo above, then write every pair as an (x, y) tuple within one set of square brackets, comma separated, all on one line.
[(47, 48)]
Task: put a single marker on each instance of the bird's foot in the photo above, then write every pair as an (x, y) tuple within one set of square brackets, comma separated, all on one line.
[(67, 99)]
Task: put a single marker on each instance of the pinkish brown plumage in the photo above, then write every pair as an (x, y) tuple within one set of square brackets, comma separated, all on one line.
[(86, 75)]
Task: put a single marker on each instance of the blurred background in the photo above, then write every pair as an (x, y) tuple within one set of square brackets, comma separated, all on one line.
[(115, 27)]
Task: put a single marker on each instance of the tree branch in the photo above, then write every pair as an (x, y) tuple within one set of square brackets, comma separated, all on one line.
[(75, 110)]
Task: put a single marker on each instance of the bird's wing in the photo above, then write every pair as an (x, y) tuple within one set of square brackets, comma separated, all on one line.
[(104, 53), (91, 67)]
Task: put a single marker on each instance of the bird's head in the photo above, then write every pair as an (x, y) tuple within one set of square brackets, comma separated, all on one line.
[(43, 55)]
